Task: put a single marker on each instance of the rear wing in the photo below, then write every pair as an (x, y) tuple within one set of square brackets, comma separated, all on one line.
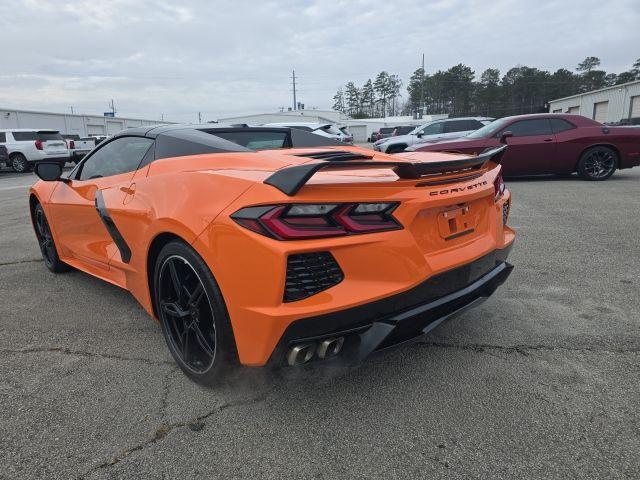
[(291, 179)]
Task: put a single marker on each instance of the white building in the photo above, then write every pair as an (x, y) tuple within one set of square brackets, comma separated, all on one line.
[(83, 125), (360, 128), (610, 104)]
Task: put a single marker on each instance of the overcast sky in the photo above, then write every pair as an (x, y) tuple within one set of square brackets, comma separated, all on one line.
[(226, 57)]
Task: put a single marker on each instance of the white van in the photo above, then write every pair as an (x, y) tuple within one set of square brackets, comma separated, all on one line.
[(27, 146)]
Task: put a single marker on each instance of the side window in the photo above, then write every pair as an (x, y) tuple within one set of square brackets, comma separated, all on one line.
[(529, 128), (3, 137), (461, 126), (24, 136), (558, 125), (432, 129), (121, 155)]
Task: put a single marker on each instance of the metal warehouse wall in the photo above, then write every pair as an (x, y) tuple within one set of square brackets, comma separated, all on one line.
[(82, 125), (619, 98)]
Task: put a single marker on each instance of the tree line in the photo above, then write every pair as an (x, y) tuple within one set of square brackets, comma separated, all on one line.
[(457, 92)]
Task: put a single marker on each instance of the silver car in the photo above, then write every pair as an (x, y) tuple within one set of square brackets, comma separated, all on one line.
[(434, 130)]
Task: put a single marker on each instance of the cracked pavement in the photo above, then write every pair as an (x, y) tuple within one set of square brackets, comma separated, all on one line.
[(540, 381)]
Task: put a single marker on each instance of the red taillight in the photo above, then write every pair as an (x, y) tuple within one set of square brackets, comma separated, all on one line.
[(498, 187), (300, 221), (38, 144), (72, 144)]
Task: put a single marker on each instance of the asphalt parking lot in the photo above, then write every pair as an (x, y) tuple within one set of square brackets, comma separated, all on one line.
[(541, 381)]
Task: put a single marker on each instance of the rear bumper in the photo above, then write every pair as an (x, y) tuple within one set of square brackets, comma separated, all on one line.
[(400, 318)]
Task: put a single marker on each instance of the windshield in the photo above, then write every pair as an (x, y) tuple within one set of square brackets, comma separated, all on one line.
[(488, 130)]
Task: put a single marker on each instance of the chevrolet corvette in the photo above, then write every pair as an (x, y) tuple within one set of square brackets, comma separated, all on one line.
[(551, 143), (274, 246)]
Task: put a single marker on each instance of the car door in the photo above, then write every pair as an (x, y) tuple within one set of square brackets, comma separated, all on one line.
[(77, 208), (532, 148), (433, 131)]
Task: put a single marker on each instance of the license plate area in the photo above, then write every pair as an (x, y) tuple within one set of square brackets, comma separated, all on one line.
[(457, 221)]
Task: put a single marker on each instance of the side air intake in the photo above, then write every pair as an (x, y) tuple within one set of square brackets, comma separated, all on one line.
[(310, 273)]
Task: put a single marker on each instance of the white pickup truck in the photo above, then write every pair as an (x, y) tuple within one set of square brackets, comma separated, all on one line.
[(79, 146)]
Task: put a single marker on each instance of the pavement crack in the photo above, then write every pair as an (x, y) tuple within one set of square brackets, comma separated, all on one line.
[(19, 262), (194, 424), (524, 349), (83, 353)]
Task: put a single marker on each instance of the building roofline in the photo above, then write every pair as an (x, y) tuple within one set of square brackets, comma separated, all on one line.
[(81, 115), (633, 82)]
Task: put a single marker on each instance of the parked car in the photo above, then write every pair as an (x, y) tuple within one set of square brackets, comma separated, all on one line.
[(435, 129), (4, 156), (347, 136), (384, 132), (78, 147), (552, 143), (28, 146), (373, 137), (328, 130), (270, 269), (98, 139), (403, 130)]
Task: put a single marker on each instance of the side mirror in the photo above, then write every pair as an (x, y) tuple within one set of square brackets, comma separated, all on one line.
[(505, 135), (419, 135), (48, 171)]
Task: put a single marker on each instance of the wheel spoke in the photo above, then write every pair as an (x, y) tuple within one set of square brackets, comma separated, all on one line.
[(175, 281), (196, 296), (185, 344), (174, 310), (202, 340)]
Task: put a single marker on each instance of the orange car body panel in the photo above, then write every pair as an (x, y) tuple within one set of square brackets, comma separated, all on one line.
[(193, 198)]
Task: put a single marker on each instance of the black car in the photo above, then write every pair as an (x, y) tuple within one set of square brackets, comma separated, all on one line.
[(403, 130), (4, 156)]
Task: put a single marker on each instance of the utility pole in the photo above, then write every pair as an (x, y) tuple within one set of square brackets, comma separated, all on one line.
[(295, 103), (199, 117), (422, 88), (113, 107), (162, 117), (71, 109)]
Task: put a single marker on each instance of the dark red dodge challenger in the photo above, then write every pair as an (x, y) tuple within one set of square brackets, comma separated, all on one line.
[(550, 143)]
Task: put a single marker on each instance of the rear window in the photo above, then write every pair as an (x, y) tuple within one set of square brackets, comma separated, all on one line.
[(387, 130), (345, 130), (46, 136), (24, 136), (71, 137), (3, 137)]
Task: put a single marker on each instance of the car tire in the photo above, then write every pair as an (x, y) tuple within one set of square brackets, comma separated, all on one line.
[(19, 163), (46, 243), (193, 315), (396, 149), (597, 163)]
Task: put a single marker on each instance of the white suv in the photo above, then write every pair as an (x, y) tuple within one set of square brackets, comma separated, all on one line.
[(328, 130), (434, 130), (28, 146)]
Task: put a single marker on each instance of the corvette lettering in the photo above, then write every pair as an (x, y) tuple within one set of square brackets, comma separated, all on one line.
[(458, 189)]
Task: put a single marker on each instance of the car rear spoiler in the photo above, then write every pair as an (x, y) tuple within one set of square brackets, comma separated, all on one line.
[(291, 179)]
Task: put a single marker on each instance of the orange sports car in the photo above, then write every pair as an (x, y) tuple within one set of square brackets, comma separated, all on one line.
[(275, 246)]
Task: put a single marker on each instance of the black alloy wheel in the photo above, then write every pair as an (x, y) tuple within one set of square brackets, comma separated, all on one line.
[(598, 163), (45, 241), (194, 320)]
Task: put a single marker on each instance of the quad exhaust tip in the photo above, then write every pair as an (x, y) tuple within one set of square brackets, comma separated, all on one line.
[(303, 353)]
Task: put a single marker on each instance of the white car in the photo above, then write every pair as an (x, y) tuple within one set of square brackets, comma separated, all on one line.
[(328, 130), (27, 146), (434, 130)]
